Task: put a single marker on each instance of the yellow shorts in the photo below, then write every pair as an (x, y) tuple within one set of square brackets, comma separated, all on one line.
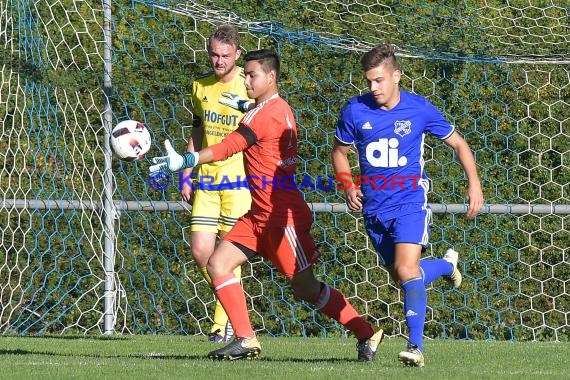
[(218, 210)]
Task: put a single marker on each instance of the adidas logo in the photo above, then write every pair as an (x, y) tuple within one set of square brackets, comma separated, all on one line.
[(205, 99), (411, 313), (367, 125)]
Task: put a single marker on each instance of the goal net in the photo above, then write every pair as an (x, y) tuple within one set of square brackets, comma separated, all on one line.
[(89, 247)]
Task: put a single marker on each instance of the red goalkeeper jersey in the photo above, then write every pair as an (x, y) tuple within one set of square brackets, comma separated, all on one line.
[(270, 163)]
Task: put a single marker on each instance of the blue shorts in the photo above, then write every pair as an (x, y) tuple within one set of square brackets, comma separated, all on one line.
[(407, 224)]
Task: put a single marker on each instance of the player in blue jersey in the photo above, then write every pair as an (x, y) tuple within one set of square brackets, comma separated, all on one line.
[(387, 126)]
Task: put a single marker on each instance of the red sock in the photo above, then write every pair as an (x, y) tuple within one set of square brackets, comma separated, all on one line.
[(334, 304), (231, 296)]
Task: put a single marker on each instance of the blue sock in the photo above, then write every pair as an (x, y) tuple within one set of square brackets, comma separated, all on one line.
[(432, 269), (415, 303)]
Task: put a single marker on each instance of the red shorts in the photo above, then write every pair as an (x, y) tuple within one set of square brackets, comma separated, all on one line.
[(290, 249)]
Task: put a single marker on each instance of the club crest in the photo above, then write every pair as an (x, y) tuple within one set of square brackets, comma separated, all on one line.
[(402, 127)]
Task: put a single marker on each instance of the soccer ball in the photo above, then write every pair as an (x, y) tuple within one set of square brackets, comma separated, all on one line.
[(130, 140)]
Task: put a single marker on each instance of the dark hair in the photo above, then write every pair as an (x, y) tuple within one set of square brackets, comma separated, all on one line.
[(228, 34), (268, 59), (379, 55)]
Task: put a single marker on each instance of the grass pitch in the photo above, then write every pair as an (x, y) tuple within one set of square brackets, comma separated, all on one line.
[(181, 357)]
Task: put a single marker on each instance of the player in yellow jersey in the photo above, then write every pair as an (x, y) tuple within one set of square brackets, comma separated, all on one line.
[(215, 209)]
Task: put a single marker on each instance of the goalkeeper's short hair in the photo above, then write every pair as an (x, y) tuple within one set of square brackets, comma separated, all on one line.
[(268, 59)]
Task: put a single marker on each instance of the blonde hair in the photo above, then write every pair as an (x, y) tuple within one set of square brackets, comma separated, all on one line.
[(228, 34)]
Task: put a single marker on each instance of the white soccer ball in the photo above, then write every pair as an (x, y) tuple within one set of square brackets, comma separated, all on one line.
[(130, 140)]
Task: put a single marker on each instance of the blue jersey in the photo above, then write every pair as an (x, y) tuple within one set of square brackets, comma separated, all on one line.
[(390, 147)]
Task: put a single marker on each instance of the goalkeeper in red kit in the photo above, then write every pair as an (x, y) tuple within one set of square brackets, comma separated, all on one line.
[(277, 227)]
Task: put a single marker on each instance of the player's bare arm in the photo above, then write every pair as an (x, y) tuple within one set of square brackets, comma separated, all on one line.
[(342, 165), (467, 161)]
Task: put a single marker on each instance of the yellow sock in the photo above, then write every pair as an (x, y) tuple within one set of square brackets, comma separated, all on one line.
[(220, 316)]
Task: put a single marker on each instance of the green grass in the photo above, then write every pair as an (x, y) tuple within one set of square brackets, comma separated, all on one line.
[(179, 357)]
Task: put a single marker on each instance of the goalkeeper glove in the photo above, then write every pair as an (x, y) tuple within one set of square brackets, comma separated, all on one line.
[(173, 161), (234, 101)]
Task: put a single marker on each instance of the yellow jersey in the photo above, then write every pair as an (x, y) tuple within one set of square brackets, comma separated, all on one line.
[(218, 120)]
